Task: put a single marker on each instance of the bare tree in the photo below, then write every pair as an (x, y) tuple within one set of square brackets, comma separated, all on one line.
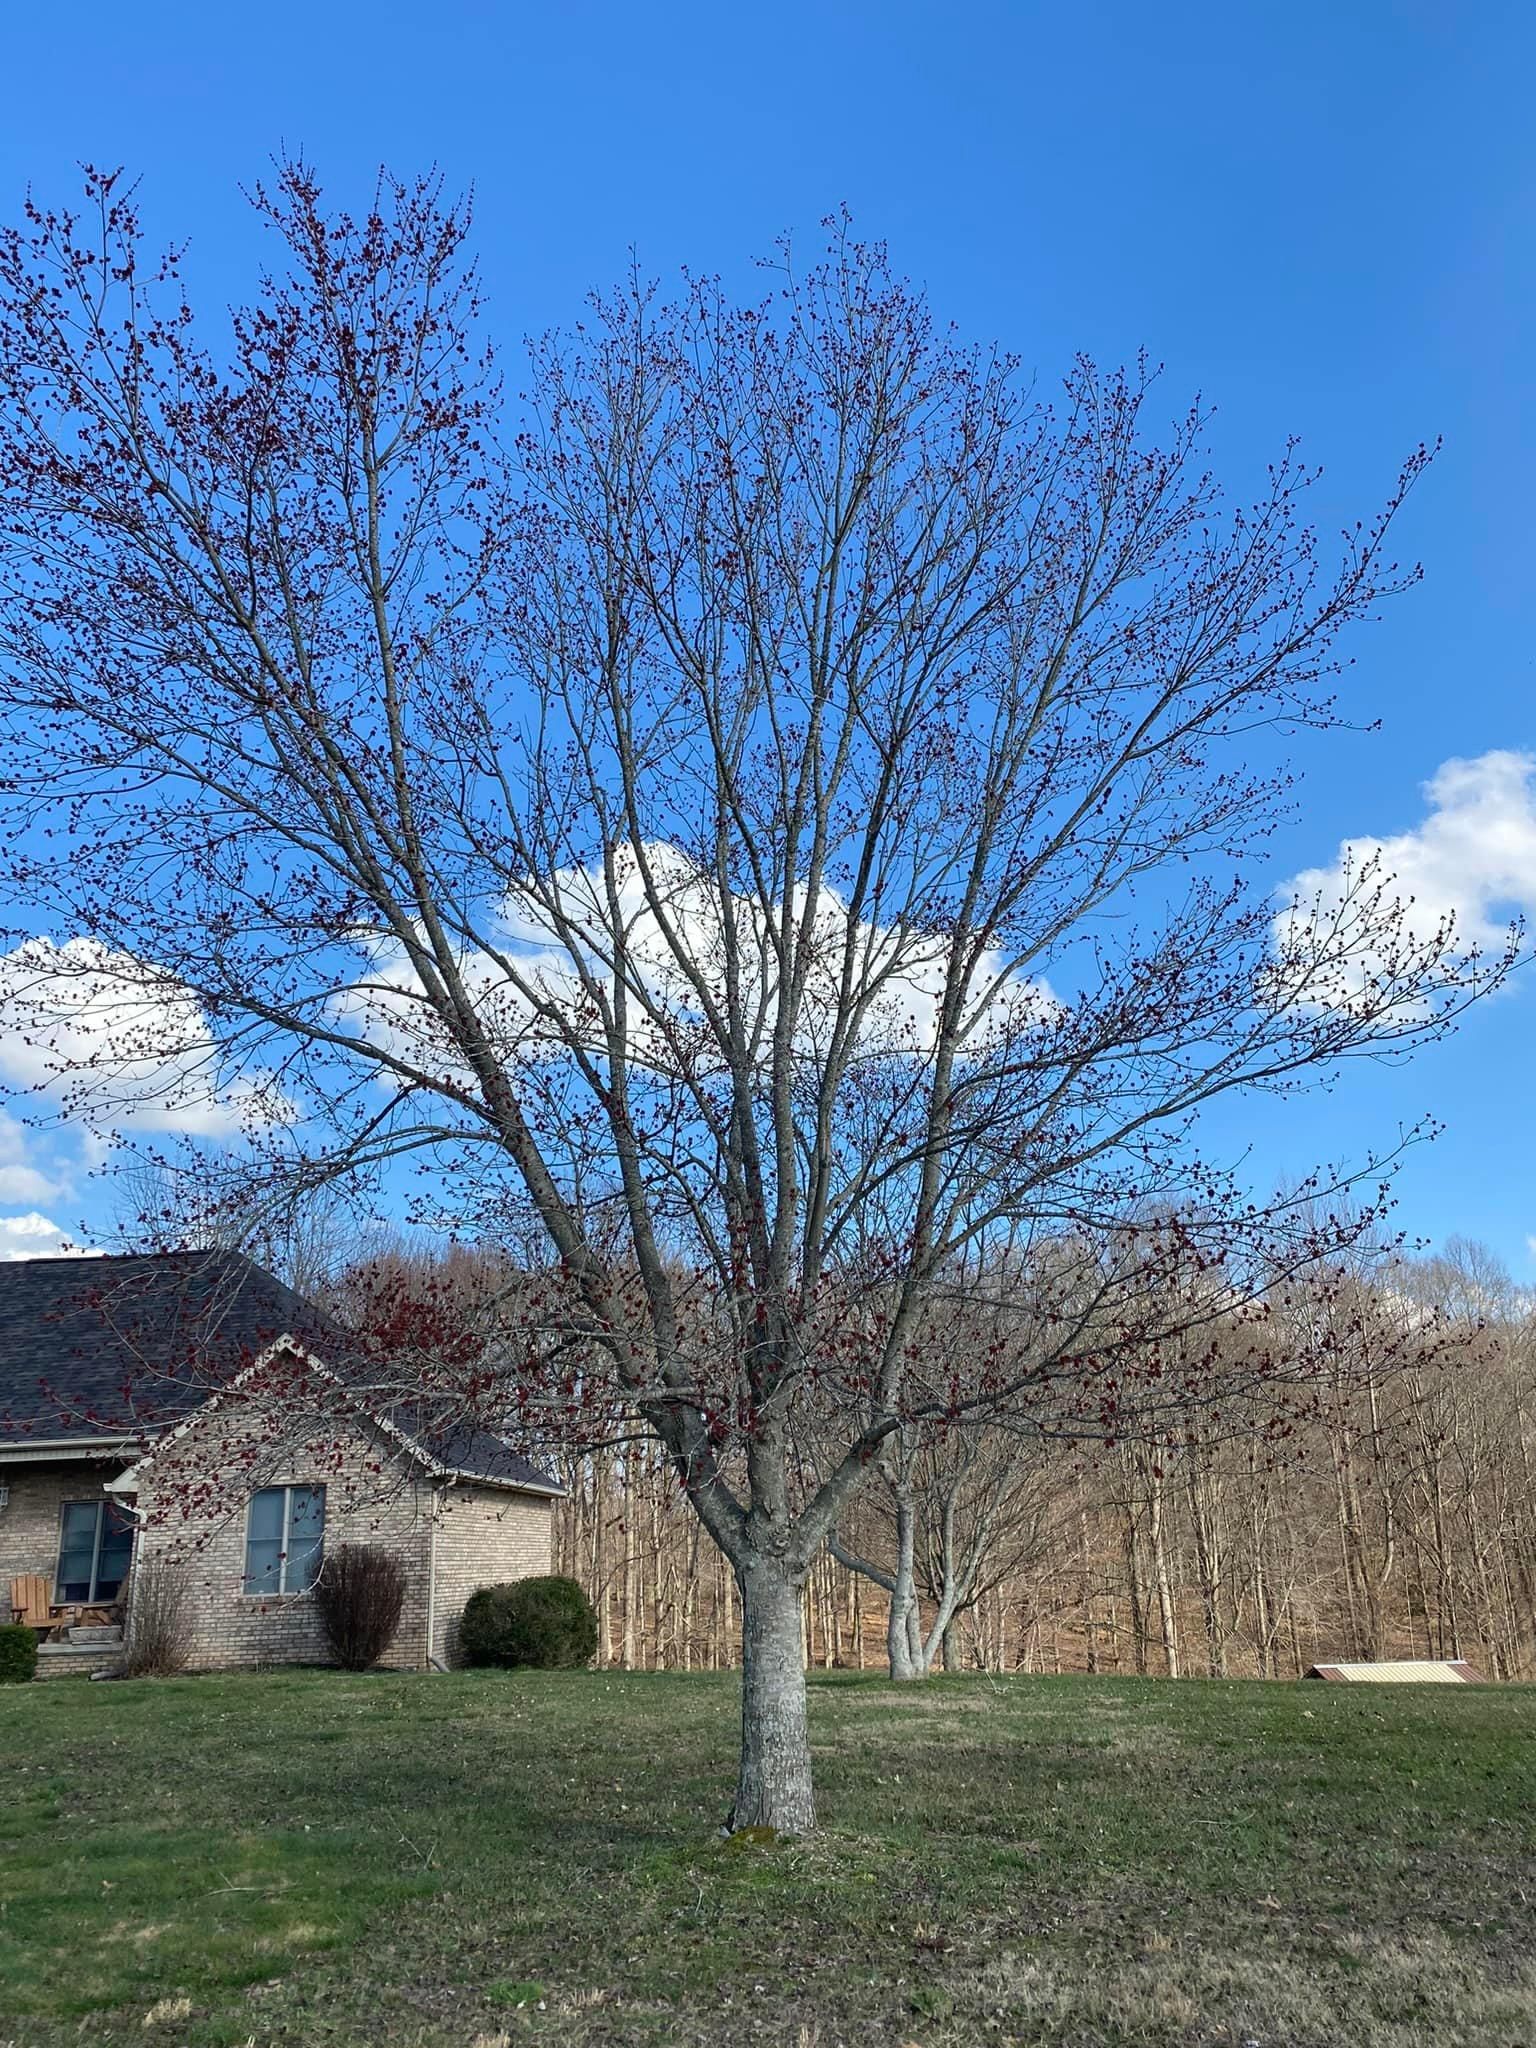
[(306, 1232), (958, 1512), (781, 819)]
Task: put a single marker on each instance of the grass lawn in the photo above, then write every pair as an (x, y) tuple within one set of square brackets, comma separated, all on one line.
[(484, 1859)]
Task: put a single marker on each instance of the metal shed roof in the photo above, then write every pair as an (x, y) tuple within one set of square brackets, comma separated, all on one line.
[(1406, 1671)]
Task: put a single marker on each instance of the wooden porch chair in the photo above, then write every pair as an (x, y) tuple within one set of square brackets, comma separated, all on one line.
[(32, 1601)]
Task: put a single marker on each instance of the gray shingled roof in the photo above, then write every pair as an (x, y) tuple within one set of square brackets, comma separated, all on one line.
[(115, 1349)]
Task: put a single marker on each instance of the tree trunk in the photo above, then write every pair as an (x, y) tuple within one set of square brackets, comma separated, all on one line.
[(1090, 1632), (728, 1618), (903, 1628), (1158, 1537), (1136, 1587), (774, 1787), (631, 1566)]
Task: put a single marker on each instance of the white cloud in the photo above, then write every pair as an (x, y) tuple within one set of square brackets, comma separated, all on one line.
[(34, 1236), (114, 1043), (21, 1179), (1468, 868), (903, 973)]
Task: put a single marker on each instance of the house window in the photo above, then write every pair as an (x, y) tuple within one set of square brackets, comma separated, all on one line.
[(95, 1543), (284, 1538)]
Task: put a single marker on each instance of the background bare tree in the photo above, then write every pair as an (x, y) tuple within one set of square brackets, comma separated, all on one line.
[(780, 819), (958, 1513)]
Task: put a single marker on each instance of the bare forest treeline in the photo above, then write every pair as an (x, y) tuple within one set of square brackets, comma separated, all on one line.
[(1394, 1515), (1377, 1500)]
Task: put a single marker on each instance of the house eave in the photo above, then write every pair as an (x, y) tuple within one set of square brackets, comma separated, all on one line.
[(66, 1450), (447, 1474)]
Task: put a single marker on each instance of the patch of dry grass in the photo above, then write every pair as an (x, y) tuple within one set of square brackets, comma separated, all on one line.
[(1396, 1994), (166, 2012)]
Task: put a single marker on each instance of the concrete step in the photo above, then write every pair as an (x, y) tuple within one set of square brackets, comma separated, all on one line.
[(101, 1637), (75, 1660)]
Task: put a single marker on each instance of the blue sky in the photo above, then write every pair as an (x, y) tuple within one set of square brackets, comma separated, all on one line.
[(1320, 216)]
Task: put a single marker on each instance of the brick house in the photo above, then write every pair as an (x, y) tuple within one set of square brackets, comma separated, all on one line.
[(190, 1407)]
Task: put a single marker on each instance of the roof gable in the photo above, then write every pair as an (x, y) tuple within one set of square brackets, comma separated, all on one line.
[(462, 1452), (117, 1350), (124, 1347)]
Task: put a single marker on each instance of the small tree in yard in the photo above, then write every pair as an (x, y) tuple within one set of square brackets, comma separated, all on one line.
[(781, 823), (360, 1595), (954, 1514)]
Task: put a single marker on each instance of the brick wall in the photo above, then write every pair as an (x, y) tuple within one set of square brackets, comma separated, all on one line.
[(29, 1522), (484, 1537), (194, 1498), (193, 1501)]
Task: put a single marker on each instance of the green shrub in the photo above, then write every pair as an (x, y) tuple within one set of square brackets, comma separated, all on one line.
[(547, 1623), (18, 1655)]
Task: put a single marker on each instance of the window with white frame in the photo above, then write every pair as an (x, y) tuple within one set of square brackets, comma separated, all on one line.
[(284, 1539), (95, 1544)]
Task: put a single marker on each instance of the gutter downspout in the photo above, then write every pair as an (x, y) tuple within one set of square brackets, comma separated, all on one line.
[(435, 1663), (430, 1663)]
